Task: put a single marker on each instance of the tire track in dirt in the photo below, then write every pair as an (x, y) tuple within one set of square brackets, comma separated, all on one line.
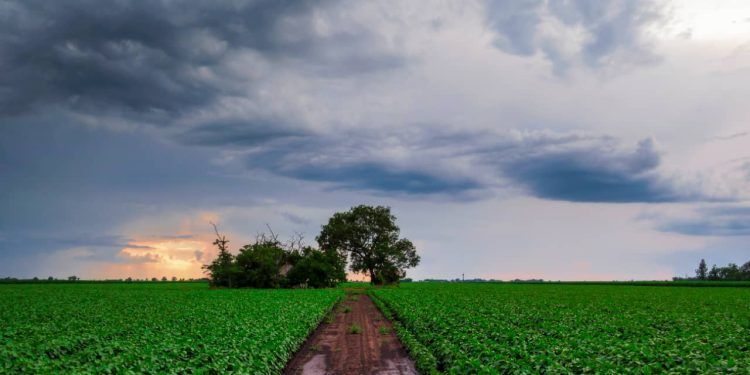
[(333, 349)]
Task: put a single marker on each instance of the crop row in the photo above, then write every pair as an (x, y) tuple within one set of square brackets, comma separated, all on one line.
[(502, 328), (154, 328)]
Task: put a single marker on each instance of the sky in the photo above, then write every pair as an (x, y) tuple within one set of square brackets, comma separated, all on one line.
[(563, 140)]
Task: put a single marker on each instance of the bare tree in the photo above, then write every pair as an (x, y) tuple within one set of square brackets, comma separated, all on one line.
[(221, 241)]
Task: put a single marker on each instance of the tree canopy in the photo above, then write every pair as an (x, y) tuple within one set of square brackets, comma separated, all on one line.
[(269, 263), (732, 272), (369, 237)]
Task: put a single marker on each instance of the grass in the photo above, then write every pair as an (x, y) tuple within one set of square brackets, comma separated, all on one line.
[(354, 329), (384, 330), (330, 318)]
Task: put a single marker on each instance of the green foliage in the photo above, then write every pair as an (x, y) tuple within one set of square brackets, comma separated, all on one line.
[(330, 318), (423, 358), (316, 269), (369, 236), (347, 309), (268, 263), (354, 329), (701, 271), (731, 272), (154, 327), (223, 269), (384, 330), (258, 265), (563, 328)]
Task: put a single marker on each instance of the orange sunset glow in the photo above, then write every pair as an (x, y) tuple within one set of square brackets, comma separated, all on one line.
[(179, 256)]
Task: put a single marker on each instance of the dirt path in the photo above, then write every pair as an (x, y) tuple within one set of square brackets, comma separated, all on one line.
[(335, 349)]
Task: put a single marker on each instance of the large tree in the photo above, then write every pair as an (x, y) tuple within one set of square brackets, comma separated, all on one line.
[(369, 236)]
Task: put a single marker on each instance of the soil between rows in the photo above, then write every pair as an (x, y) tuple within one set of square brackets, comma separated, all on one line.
[(334, 350)]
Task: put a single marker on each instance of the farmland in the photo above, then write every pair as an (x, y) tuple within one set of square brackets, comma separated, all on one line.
[(154, 327), (461, 328), (500, 328)]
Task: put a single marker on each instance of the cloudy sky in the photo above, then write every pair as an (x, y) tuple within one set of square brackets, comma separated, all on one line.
[(512, 139)]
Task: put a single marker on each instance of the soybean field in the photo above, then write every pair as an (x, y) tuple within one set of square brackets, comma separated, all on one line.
[(154, 327), (468, 328)]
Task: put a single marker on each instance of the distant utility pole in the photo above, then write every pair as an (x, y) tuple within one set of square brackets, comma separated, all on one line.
[(462, 277)]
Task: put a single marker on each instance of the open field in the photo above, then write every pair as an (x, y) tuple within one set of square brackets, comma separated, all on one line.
[(462, 328), (154, 327), (497, 328)]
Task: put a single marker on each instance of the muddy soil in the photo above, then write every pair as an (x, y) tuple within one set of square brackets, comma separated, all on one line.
[(334, 349)]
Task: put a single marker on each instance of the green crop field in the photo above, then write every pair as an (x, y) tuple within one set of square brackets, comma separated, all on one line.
[(471, 328), (154, 327)]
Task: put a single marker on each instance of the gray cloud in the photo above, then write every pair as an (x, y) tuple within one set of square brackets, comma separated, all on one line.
[(239, 133), (162, 59), (556, 166), (82, 239), (355, 162), (595, 173), (711, 221), (613, 31), (177, 63), (382, 178)]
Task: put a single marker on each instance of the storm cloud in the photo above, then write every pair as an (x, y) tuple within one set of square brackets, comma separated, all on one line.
[(598, 173), (135, 123), (159, 60), (201, 71)]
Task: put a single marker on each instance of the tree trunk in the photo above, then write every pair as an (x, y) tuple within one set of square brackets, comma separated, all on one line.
[(372, 277)]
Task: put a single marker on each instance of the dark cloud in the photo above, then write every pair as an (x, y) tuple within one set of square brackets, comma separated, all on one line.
[(615, 30), (161, 59), (354, 161), (370, 176), (239, 133), (592, 174), (711, 221), (170, 63), (81, 239), (556, 166)]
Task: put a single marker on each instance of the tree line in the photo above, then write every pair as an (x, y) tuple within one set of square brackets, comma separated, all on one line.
[(365, 238), (731, 272)]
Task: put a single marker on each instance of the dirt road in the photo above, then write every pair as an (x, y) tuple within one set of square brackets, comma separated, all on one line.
[(359, 341)]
